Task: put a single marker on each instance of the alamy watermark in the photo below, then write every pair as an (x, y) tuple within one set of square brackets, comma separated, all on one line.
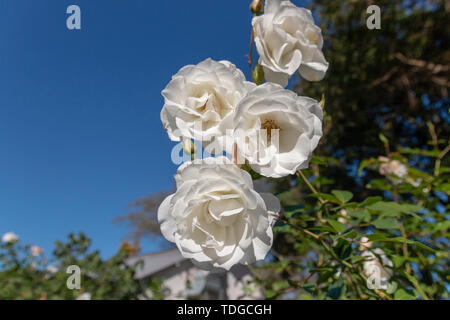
[(74, 281), (374, 20), (377, 281), (73, 22)]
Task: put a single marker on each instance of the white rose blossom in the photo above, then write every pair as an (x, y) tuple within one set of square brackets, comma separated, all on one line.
[(293, 128), (200, 99), (394, 168), (287, 40), (215, 217), (10, 237)]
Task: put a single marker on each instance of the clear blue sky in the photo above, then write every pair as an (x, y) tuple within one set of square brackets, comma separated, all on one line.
[(80, 131)]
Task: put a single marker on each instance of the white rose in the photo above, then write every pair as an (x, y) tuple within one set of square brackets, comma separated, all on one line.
[(200, 99), (373, 266), (399, 169), (215, 217), (288, 40), (393, 168), (288, 149), (10, 237)]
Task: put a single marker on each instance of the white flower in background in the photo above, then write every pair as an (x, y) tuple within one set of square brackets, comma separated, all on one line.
[(10, 237), (52, 269), (215, 217), (36, 251), (287, 40), (292, 124), (200, 100), (344, 216), (374, 267), (393, 168), (399, 169), (84, 296), (342, 220), (414, 182)]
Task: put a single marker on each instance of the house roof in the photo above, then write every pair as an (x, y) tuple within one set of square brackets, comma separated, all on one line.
[(155, 262)]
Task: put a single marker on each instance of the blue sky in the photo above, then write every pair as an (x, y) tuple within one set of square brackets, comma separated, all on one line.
[(80, 131)]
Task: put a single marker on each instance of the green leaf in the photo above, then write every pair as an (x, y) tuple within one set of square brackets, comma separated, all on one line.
[(322, 102), (337, 289), (280, 285), (383, 139), (445, 187), (370, 200), (304, 296), (339, 227), (362, 214), (383, 238), (325, 196), (309, 287), (255, 175), (342, 196), (364, 164), (290, 211), (398, 260), (391, 208), (352, 234), (401, 294), (270, 294), (386, 223), (394, 209), (318, 160), (428, 153), (442, 226)]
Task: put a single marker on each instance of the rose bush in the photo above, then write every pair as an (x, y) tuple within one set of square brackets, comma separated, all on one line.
[(218, 220), (287, 40), (10, 237)]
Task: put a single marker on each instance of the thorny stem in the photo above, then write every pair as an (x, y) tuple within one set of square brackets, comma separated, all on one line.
[(301, 175), (435, 140), (235, 154), (405, 247), (437, 165), (250, 54), (315, 236)]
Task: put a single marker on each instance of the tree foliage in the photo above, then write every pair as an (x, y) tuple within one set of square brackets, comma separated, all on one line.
[(386, 106)]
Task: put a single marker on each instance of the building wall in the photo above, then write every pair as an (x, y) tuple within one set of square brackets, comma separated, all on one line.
[(186, 281)]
